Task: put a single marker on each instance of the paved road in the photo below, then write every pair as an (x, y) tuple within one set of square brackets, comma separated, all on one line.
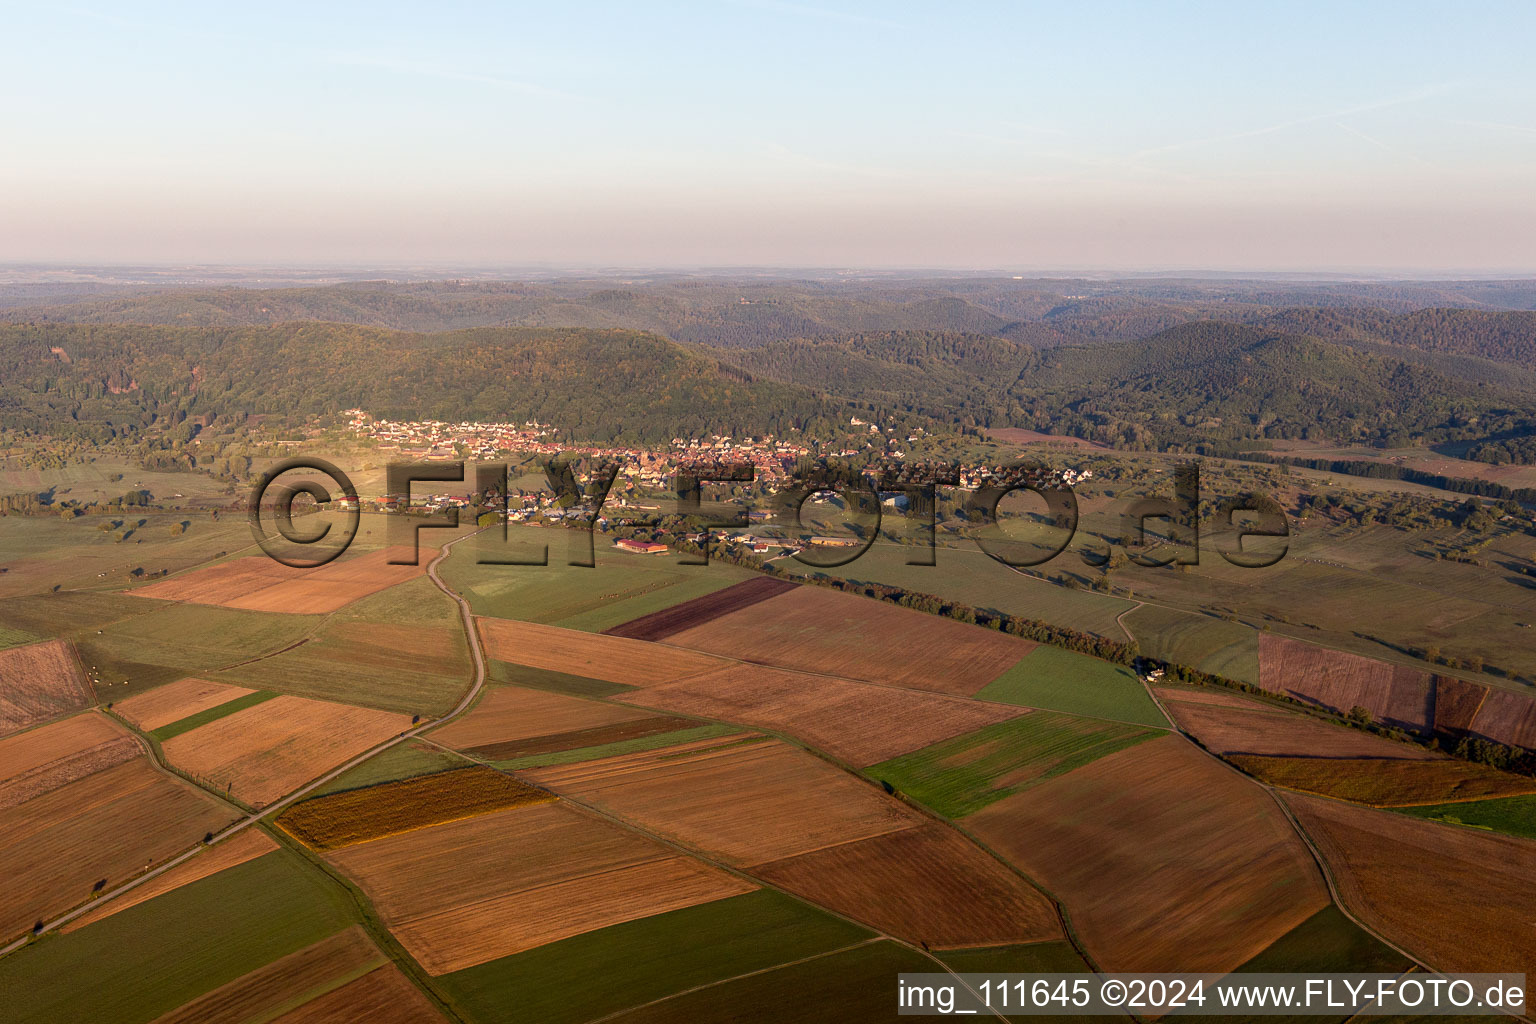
[(275, 808)]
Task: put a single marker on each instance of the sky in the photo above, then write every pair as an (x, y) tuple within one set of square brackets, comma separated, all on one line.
[(1371, 136)]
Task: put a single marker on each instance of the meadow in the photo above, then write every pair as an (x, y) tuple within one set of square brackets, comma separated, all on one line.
[(962, 775), (1060, 680), (589, 976), (152, 958)]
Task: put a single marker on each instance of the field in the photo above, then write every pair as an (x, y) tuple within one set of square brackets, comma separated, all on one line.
[(152, 958), (247, 844), (858, 722), (1386, 783), (39, 682), (88, 809), (267, 751), (325, 966), (593, 656), (419, 669), (38, 759), (402, 761), (620, 588), (851, 986), (746, 803), (1326, 941), (1163, 857), (1059, 680), (213, 714), (964, 573), (923, 884), (481, 888), (258, 583), (1210, 644), (1456, 704), (507, 717), (1460, 898), (1393, 694), (1508, 718), (176, 701), (589, 976), (1512, 815), (662, 624), (170, 642), (1270, 731), (390, 808), (962, 775), (820, 630), (382, 996)]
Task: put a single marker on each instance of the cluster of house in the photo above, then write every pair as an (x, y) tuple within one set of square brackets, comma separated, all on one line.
[(439, 441)]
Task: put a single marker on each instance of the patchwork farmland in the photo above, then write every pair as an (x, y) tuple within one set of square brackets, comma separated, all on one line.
[(739, 785)]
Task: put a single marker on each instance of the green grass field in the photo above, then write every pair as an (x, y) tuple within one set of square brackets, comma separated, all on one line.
[(1214, 645), (15, 637), (334, 664), (1034, 958), (962, 572), (853, 986), (1326, 941), (402, 761), (665, 739), (416, 602), (619, 588), (592, 975), (151, 958), (1512, 815), (164, 642), (213, 714), (962, 775), (1060, 680)]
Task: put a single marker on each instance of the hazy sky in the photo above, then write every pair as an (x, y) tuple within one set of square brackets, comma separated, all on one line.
[(1025, 135)]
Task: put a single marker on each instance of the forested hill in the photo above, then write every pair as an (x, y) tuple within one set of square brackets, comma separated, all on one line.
[(1214, 381), (960, 378), (1209, 383), (751, 312), (1497, 335), (113, 381)]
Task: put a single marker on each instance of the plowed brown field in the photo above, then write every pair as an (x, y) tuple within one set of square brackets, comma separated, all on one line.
[(107, 826), (1459, 898), (266, 751), (1164, 858), (39, 682), (382, 996), (1456, 703), (260, 584), (662, 624), (1280, 733), (268, 988), (820, 630), (1393, 694), (175, 701), (861, 723), (746, 803), (1386, 783), (517, 713), (474, 890), (612, 658), (924, 884), (1508, 718)]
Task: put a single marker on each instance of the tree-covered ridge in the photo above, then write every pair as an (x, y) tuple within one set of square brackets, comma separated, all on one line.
[(1199, 383), (1507, 336), (112, 381)]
